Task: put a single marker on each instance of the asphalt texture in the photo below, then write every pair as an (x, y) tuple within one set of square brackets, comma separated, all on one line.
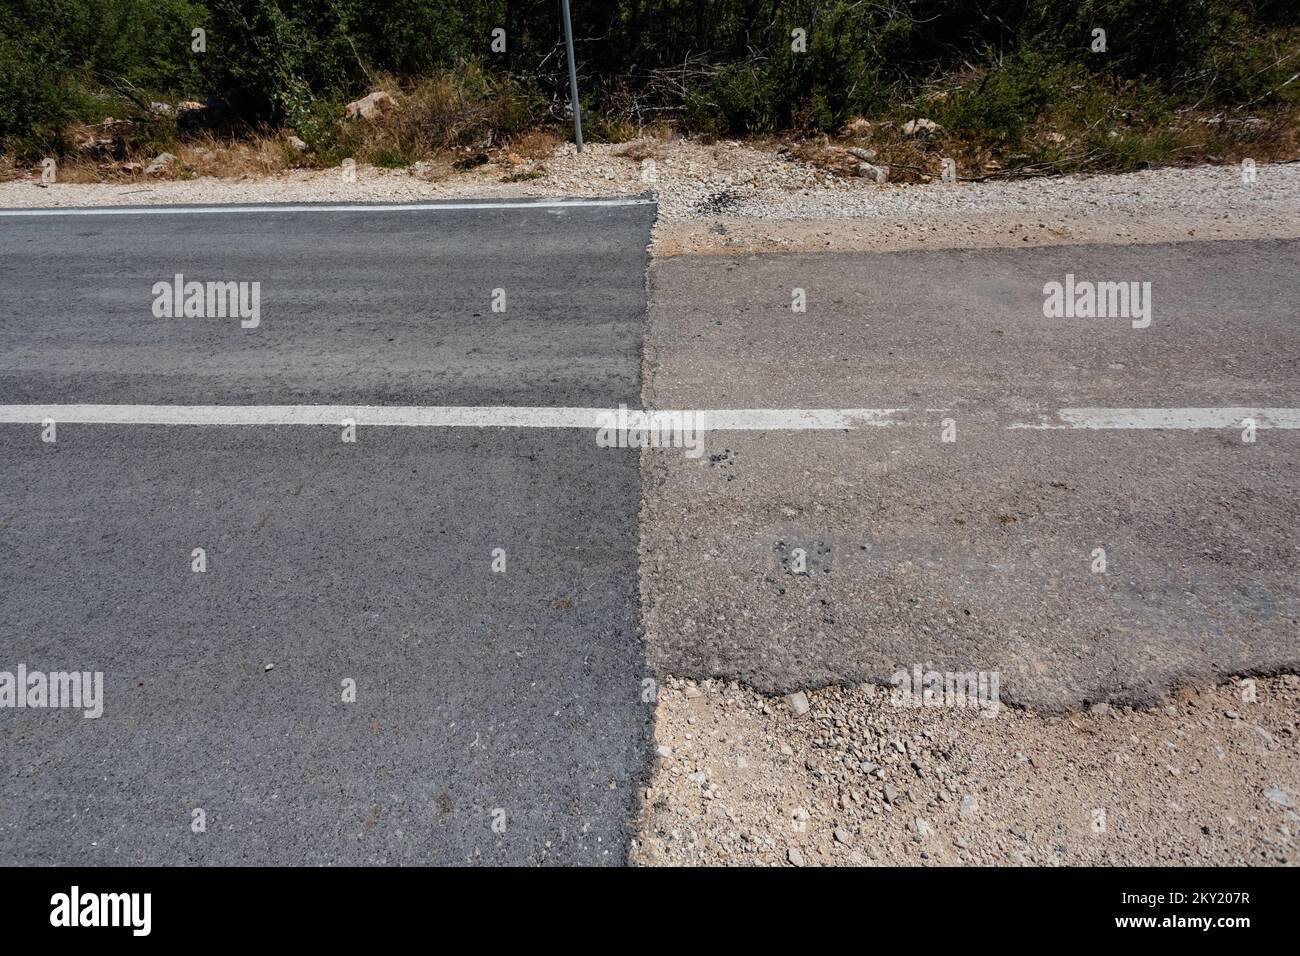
[(377, 307), (481, 698), (976, 554), (518, 698)]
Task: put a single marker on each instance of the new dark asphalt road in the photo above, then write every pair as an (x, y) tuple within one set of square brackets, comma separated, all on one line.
[(512, 698)]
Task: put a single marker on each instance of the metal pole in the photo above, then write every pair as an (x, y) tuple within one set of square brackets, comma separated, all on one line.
[(573, 76)]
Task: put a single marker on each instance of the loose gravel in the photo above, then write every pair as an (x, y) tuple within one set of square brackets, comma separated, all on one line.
[(733, 197), (1211, 778)]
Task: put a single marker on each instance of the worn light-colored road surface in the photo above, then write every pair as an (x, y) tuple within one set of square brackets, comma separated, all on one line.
[(482, 697), (978, 554)]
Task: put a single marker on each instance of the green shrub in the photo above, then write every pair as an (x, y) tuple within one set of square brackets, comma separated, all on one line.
[(717, 67), (66, 60), (1007, 99)]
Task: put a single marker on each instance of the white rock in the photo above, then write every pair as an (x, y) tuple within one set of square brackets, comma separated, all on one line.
[(1280, 797), (371, 105), (879, 173), (797, 702), (160, 164)]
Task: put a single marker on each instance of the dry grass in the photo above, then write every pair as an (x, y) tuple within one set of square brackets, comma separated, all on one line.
[(85, 169), (78, 169), (910, 158), (536, 145), (639, 150), (433, 115), (649, 142), (1191, 138), (260, 155), (434, 170), (1229, 139)]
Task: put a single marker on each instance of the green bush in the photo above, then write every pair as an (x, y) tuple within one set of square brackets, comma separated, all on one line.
[(66, 60), (715, 66), (1009, 96)]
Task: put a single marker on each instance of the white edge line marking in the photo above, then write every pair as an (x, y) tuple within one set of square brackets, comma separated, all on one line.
[(163, 210), (441, 416), (1172, 418)]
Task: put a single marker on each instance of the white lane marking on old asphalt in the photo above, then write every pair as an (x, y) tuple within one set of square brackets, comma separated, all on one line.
[(1174, 418)]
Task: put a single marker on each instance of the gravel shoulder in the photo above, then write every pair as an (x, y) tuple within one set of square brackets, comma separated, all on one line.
[(729, 197), (1211, 778)]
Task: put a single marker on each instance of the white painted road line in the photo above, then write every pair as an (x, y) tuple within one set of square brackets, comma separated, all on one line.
[(791, 419), (437, 416), (396, 415), (1174, 418), (342, 207), (545, 416)]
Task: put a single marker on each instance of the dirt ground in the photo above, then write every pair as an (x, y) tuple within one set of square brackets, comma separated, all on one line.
[(1047, 228), (1209, 779)]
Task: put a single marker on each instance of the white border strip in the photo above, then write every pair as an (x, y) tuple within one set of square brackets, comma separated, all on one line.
[(444, 416), (790, 419), (162, 210), (1173, 418), (547, 416)]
